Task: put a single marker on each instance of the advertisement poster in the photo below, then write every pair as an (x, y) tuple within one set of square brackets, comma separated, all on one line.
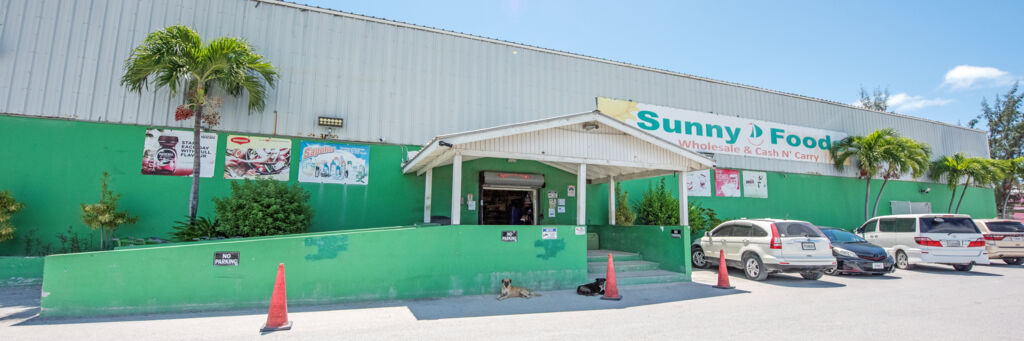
[(251, 157), (755, 184), (549, 233), (727, 182), (334, 163), (170, 152), (721, 134), (698, 184)]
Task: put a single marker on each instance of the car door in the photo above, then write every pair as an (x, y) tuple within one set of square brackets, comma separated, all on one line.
[(886, 233), (905, 230), (739, 236), (869, 231), (716, 241)]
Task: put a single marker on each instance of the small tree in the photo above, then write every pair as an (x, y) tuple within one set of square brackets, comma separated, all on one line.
[(953, 168), (869, 151), (879, 100), (104, 214), (980, 172), (263, 208), (8, 206), (623, 214), (657, 206), (902, 155), (702, 219)]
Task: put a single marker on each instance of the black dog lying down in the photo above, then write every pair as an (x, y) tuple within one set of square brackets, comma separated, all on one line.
[(591, 289)]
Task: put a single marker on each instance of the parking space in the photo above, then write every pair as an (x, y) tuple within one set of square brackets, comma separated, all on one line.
[(932, 302)]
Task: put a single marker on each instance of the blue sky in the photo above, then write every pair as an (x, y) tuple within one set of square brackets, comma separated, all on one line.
[(937, 58)]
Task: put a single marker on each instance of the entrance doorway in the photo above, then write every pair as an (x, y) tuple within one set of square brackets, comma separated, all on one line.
[(508, 206)]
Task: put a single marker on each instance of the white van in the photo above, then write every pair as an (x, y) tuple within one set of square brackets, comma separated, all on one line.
[(951, 239)]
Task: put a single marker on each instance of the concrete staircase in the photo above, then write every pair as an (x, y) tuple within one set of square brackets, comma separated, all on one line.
[(629, 268)]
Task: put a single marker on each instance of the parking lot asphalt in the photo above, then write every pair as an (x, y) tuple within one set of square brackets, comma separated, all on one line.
[(931, 302)]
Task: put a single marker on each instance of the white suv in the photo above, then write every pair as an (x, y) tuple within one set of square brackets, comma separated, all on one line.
[(951, 239), (763, 246)]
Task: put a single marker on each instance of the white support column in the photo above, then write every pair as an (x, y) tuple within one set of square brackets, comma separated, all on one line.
[(684, 200), (581, 195), (426, 195), (611, 200), (457, 189)]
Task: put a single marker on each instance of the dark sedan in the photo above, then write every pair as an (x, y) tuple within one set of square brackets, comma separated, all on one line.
[(856, 255)]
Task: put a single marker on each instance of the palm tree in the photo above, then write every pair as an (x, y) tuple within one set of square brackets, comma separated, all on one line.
[(901, 155), (177, 58), (869, 151), (953, 168), (980, 172), (1013, 170)]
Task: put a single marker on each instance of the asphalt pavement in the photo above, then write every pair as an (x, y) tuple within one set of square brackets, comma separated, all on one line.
[(929, 303)]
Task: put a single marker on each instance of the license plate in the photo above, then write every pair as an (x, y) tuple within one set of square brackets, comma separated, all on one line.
[(1016, 239), (953, 243), (807, 246), (877, 266)]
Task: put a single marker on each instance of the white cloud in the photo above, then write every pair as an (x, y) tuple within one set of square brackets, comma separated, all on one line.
[(902, 102), (966, 76)]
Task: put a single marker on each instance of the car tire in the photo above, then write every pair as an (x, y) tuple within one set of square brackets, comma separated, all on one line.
[(754, 268), (1014, 261), (833, 271), (697, 258), (903, 261), (963, 267), (812, 275)]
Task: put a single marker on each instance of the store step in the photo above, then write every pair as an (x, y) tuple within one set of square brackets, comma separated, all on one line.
[(602, 256), (620, 266), (642, 277)]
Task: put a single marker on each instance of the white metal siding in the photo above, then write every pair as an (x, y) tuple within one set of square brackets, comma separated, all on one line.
[(392, 82)]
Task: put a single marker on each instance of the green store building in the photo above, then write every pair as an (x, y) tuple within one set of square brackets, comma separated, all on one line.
[(420, 148)]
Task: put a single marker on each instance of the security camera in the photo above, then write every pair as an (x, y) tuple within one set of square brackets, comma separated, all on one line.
[(926, 190)]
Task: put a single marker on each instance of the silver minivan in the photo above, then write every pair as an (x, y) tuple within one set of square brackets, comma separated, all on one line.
[(951, 239)]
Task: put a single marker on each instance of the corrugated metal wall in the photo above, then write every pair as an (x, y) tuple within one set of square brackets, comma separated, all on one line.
[(392, 82)]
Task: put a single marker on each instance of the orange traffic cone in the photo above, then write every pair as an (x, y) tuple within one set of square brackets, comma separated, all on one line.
[(277, 318), (723, 272), (611, 291)]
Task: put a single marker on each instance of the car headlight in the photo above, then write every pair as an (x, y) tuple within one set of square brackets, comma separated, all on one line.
[(844, 252)]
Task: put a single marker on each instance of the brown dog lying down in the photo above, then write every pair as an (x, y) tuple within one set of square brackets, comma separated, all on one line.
[(508, 290)]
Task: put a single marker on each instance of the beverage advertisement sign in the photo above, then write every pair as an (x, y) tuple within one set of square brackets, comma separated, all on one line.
[(727, 182), (755, 184), (721, 134), (170, 152), (334, 163), (252, 157), (698, 184)]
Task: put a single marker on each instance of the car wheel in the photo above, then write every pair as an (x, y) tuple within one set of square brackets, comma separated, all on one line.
[(754, 268), (963, 267), (811, 275), (902, 261), (1014, 261), (697, 258), (833, 271)]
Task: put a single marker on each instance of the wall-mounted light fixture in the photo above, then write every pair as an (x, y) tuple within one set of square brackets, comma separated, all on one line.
[(330, 121), (590, 125)]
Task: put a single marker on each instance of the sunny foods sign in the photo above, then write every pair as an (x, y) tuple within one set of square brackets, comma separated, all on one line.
[(718, 134)]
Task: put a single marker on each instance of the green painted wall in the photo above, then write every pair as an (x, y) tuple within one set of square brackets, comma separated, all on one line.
[(20, 270), (344, 266), (55, 165), (653, 243), (556, 180), (822, 200)]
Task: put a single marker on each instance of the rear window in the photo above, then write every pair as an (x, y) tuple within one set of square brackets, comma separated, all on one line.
[(797, 230), (1005, 226), (948, 225)]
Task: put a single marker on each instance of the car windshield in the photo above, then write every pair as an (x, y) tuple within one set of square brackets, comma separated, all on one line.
[(788, 229), (839, 236), (948, 225), (1005, 226)]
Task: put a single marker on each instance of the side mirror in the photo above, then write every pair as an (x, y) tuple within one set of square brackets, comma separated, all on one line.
[(707, 234)]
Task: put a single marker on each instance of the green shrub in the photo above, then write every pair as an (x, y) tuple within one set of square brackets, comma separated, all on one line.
[(201, 228), (104, 214), (264, 208), (623, 214), (657, 206), (8, 206), (702, 219)]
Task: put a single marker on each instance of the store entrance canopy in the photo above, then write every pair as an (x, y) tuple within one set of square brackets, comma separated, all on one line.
[(595, 147)]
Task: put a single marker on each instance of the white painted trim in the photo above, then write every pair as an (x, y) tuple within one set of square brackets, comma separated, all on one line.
[(632, 176), (456, 216), (576, 160)]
